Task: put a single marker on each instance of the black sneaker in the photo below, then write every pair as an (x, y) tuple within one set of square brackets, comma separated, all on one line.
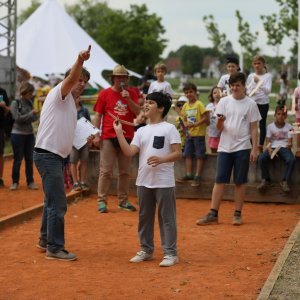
[(84, 186), (42, 245), (1, 183), (184, 178), (76, 187), (127, 206)]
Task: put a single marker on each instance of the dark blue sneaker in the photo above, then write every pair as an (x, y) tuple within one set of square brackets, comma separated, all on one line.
[(127, 206), (102, 207), (42, 245)]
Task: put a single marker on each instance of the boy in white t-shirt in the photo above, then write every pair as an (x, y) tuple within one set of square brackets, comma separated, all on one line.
[(160, 85), (237, 119), (279, 135), (158, 145), (232, 67)]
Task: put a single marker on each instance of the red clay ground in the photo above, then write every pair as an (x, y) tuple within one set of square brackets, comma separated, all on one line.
[(216, 262)]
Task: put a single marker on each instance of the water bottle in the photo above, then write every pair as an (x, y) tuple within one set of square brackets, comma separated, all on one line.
[(1, 98)]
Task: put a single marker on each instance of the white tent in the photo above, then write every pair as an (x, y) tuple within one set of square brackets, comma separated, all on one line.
[(50, 40)]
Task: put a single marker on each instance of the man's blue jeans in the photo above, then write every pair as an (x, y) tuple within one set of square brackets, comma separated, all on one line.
[(286, 155), (50, 167)]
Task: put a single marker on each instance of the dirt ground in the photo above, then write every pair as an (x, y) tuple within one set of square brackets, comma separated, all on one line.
[(14, 201), (216, 262)]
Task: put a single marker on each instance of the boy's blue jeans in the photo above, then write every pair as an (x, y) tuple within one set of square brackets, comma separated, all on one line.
[(50, 167), (287, 156)]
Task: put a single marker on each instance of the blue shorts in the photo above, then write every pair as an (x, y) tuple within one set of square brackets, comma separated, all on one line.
[(238, 161), (195, 146)]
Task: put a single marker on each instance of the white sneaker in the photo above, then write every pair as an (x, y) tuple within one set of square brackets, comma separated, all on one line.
[(141, 256), (169, 260), (14, 187)]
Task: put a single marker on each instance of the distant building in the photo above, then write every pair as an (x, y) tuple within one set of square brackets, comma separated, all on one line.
[(174, 67), (210, 67)]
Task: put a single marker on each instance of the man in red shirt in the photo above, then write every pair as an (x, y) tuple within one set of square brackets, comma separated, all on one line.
[(117, 102)]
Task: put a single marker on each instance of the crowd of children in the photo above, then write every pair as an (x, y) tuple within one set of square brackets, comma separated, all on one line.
[(228, 125)]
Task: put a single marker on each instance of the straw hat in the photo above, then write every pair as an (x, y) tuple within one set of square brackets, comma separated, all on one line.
[(120, 70)]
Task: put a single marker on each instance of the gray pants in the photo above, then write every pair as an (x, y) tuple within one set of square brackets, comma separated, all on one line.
[(164, 198)]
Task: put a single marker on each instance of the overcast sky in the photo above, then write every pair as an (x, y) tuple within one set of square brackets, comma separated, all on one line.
[(182, 19)]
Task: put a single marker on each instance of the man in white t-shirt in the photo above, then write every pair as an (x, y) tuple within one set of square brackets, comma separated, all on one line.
[(53, 144), (237, 119)]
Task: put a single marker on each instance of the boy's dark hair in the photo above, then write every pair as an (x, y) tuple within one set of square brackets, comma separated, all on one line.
[(162, 100), (233, 60), (239, 76), (189, 86), (84, 72), (280, 107)]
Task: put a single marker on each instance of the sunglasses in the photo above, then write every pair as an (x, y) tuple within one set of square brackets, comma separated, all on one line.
[(179, 104)]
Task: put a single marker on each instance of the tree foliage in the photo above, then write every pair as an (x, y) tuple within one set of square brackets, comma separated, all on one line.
[(285, 23), (133, 38), (192, 57), (247, 40), (25, 13), (218, 39)]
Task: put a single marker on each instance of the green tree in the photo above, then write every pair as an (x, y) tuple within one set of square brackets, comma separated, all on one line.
[(25, 13), (285, 23), (133, 38), (218, 39), (247, 40), (191, 59)]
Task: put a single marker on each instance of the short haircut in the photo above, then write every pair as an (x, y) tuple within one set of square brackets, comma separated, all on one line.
[(25, 88), (162, 100), (189, 86), (239, 76), (280, 107), (161, 66), (84, 72), (232, 60)]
